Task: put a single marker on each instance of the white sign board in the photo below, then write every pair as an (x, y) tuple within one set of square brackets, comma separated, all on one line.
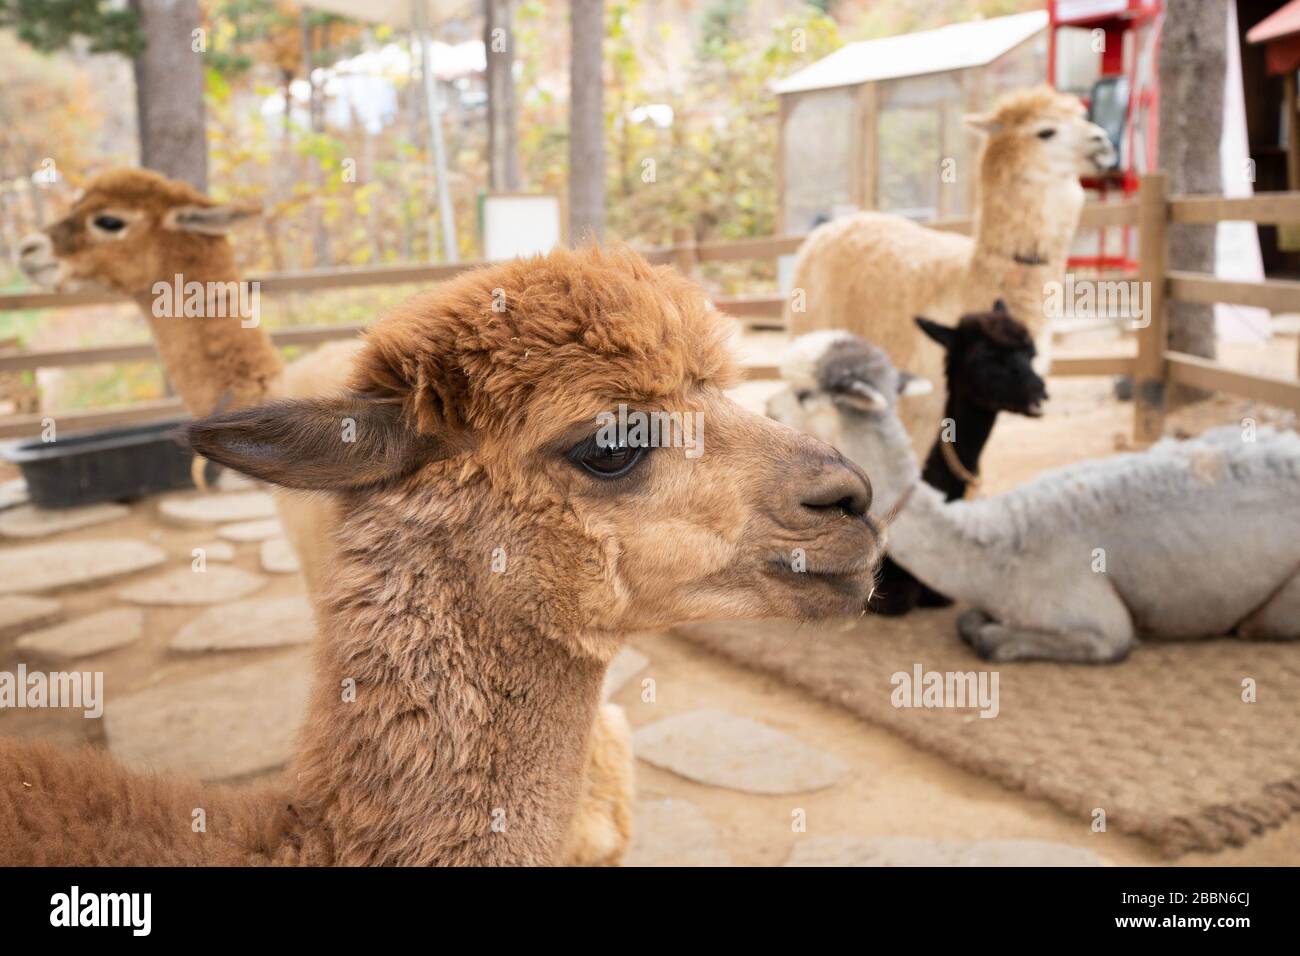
[(519, 224)]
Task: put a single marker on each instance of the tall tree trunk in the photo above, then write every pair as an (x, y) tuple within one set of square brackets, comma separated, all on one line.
[(503, 114), (1193, 62), (586, 121), (169, 92)]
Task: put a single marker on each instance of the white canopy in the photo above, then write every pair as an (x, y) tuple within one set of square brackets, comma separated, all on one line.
[(957, 46), (397, 13)]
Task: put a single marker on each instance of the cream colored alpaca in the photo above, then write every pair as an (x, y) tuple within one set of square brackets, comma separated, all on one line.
[(132, 229), (454, 700), (873, 273)]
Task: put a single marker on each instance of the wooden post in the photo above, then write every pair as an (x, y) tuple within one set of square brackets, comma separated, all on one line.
[(1150, 375), (871, 146), (685, 257)]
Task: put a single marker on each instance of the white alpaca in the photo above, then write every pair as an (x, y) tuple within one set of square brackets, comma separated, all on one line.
[(1189, 539)]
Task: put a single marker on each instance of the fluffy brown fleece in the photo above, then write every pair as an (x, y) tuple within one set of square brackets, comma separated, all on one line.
[(217, 362), (452, 707), (210, 360)]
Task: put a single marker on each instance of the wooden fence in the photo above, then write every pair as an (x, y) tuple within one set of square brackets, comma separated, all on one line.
[(1154, 367)]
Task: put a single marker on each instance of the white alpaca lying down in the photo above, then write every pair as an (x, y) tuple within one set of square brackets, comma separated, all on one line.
[(1189, 539)]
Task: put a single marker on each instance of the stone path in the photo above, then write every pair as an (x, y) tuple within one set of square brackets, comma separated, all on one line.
[(237, 722), (217, 509), (222, 551), (216, 585), (242, 531), (18, 611), (626, 665), (13, 492), (28, 521), (48, 567), (278, 558), (724, 750), (266, 622), (912, 851), (674, 832), (84, 636)]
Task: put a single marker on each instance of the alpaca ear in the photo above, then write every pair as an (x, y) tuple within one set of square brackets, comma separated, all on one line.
[(858, 395), (943, 334), (910, 385), (984, 123), (208, 220), (317, 444)]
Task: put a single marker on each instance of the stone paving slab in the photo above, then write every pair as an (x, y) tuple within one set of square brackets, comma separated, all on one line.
[(18, 611), (240, 721), (626, 664), (29, 521), (242, 531), (918, 851), (724, 750), (233, 481), (278, 558), (48, 567), (13, 492), (217, 508), (217, 551), (672, 832), (217, 585), (84, 636), (265, 622)]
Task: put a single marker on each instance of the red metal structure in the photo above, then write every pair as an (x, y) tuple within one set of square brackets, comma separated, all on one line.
[(1123, 98)]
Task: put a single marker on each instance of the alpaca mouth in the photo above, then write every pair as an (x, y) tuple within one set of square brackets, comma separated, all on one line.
[(862, 568), (48, 273), (1034, 409), (1103, 160)]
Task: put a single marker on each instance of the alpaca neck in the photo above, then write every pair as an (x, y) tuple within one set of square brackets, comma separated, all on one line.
[(1023, 230), (215, 357), (465, 737), (971, 427), (927, 537)]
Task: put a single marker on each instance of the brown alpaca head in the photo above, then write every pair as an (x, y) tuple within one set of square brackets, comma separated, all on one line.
[(487, 460), (988, 361), (129, 229), (1040, 131)]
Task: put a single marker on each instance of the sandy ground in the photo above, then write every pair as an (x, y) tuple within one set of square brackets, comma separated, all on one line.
[(894, 788)]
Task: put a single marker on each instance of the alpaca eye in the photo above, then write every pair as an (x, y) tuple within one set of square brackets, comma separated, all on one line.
[(1046, 133), (109, 223), (605, 460)]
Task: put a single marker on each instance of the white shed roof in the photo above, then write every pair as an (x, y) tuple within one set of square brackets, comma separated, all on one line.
[(957, 46), (397, 13)]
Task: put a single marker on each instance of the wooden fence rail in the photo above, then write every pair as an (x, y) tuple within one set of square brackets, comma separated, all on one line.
[(1153, 367)]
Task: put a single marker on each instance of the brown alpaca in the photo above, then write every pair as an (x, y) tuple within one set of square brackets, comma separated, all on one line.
[(872, 273), (452, 706), (132, 229)]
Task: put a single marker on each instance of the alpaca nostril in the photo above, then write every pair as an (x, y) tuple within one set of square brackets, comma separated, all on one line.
[(31, 245), (844, 491)]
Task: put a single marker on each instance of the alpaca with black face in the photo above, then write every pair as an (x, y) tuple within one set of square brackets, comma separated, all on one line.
[(988, 368)]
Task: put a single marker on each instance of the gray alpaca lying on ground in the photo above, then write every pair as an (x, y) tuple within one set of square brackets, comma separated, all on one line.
[(1189, 539)]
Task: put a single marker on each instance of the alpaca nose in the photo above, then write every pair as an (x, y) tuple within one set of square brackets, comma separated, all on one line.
[(841, 488), (37, 242)]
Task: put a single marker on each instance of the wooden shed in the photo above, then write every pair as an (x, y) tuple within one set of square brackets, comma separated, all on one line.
[(877, 124)]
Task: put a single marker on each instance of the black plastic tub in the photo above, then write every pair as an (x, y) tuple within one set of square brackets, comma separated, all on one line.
[(118, 464)]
